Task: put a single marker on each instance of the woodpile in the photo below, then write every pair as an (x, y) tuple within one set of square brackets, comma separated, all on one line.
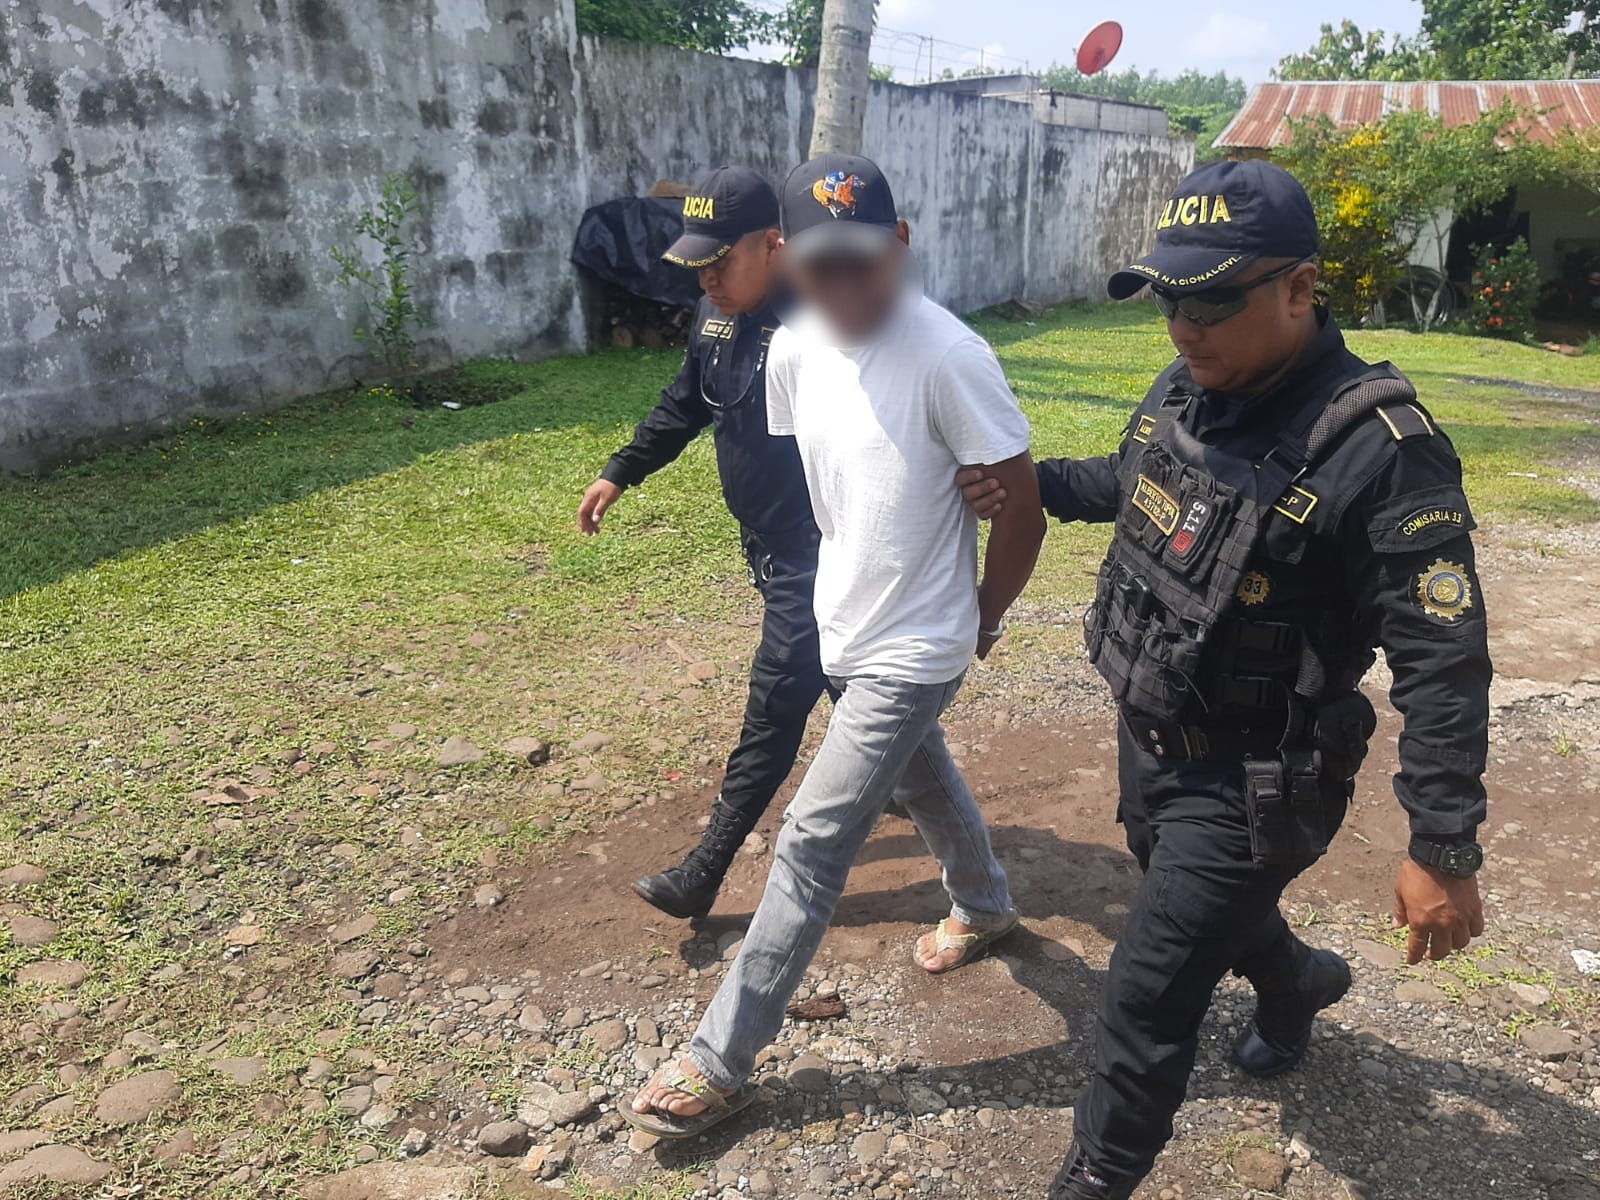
[(634, 321)]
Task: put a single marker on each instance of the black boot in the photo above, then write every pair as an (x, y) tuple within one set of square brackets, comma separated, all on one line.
[(688, 890), (1280, 1032), (1079, 1181)]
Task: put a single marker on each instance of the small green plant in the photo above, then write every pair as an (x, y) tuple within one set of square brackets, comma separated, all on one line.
[(1591, 346), (1505, 290), (386, 286), (1563, 744)]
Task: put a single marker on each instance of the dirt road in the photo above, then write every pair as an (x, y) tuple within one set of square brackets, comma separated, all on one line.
[(1481, 1078)]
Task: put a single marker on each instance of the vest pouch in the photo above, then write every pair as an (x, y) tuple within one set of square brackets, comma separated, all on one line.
[(1162, 676), (1152, 511), (1207, 510)]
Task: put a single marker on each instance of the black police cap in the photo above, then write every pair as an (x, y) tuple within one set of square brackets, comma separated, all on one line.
[(723, 206), (1221, 219), (837, 203)]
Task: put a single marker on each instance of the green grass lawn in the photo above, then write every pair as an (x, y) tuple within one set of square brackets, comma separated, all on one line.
[(209, 606)]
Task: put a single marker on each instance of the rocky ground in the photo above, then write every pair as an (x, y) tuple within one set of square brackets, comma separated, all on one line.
[(487, 1049)]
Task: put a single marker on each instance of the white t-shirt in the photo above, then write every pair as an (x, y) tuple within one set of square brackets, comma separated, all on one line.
[(882, 429)]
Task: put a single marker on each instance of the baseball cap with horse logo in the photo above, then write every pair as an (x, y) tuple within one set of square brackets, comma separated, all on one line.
[(839, 204)]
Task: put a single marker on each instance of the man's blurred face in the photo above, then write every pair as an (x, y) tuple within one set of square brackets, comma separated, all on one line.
[(741, 280), (1249, 347), (854, 292)]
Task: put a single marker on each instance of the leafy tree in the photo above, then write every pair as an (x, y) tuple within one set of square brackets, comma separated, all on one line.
[(1462, 39), (1502, 39), (1377, 189), (716, 26), (799, 29), (1348, 53)]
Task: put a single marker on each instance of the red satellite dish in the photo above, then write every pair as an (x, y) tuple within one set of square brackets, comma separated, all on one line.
[(1100, 47)]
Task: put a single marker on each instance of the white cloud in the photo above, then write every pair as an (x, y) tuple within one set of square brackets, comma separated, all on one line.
[(1230, 38), (893, 12)]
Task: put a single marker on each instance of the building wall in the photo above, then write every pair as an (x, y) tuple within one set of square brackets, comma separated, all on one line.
[(174, 172), (1561, 220)]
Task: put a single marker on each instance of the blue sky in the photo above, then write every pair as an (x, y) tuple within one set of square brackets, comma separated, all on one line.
[(1244, 39)]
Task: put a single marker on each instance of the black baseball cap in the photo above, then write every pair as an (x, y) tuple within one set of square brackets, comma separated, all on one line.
[(723, 206), (837, 203), (1221, 219)]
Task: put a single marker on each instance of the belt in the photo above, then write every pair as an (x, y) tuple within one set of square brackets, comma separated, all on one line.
[(1213, 741)]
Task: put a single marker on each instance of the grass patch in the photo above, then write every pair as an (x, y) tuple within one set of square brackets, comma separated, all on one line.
[(277, 602)]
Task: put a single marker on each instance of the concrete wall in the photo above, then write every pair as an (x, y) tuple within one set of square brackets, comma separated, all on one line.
[(173, 173), (1000, 205)]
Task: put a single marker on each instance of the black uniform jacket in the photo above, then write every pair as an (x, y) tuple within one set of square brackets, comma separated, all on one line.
[(723, 383), (1378, 531)]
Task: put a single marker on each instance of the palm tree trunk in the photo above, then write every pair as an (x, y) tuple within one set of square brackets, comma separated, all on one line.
[(842, 73)]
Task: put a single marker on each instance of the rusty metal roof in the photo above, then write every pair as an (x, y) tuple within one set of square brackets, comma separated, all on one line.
[(1263, 122)]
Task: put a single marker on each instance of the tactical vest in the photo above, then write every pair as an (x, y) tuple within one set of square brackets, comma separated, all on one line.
[(1184, 537)]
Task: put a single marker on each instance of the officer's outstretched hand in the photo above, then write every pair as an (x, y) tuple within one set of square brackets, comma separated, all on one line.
[(1443, 912), (981, 491), (602, 494)]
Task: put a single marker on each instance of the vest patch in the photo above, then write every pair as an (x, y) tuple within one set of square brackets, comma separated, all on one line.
[(1296, 504), (1145, 427), (1195, 520), (1154, 503), (720, 328), (1254, 588)]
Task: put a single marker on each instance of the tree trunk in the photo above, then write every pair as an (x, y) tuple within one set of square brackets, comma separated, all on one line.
[(842, 77)]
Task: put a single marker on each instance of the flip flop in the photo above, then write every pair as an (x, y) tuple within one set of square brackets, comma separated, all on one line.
[(973, 946), (671, 1127)]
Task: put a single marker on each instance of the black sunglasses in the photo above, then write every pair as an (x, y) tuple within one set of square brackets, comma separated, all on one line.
[(1215, 305)]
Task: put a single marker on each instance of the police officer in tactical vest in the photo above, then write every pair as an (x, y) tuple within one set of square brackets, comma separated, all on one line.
[(730, 231), (1281, 509)]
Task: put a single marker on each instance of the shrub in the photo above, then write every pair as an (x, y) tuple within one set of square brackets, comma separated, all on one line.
[(1505, 291), (386, 287)]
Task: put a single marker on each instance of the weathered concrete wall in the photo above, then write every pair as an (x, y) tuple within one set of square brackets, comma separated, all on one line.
[(1000, 205), (173, 173)]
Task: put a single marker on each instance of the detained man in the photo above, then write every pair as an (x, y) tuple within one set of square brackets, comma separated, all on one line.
[(885, 392)]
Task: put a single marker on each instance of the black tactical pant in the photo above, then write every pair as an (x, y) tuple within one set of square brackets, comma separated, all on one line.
[(786, 678), (1205, 908)]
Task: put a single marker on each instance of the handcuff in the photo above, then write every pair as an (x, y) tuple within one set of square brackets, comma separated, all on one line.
[(993, 634)]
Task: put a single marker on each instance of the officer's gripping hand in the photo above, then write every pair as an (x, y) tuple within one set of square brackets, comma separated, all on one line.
[(1443, 912), (602, 494), (981, 491)]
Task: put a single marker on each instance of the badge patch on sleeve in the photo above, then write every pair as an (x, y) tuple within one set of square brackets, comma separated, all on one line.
[(1153, 502), (1444, 591), (1427, 518)]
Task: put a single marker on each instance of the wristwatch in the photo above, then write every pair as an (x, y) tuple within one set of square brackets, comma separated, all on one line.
[(1461, 860)]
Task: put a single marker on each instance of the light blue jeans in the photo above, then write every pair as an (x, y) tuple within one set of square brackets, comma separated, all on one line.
[(884, 739)]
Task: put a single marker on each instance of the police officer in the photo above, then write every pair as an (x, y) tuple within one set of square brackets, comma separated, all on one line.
[(730, 232), (1281, 508)]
